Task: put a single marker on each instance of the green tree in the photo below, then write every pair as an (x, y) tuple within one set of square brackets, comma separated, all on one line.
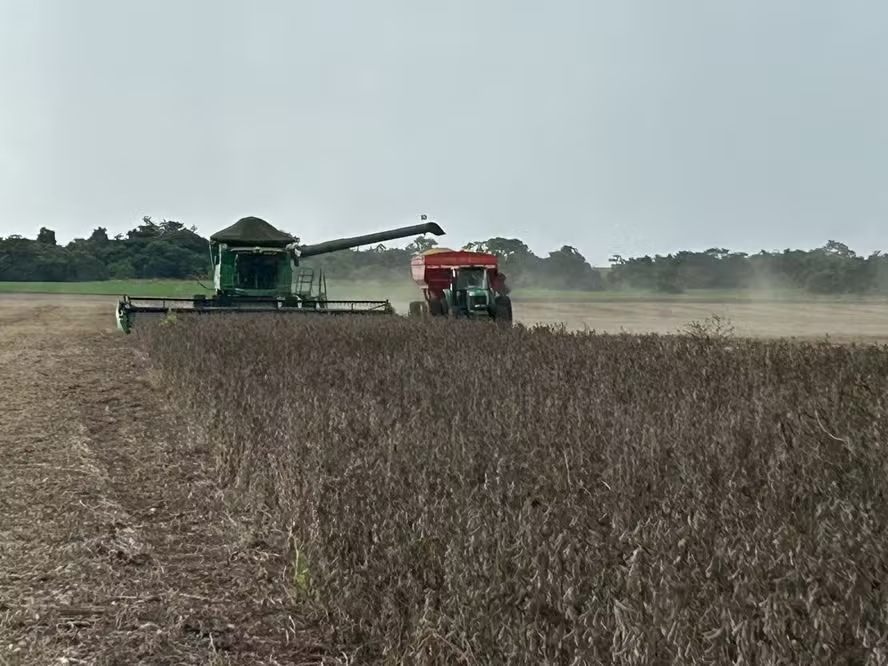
[(148, 229), (84, 266), (421, 244), (46, 236), (170, 226), (567, 268), (504, 248), (99, 235), (122, 269)]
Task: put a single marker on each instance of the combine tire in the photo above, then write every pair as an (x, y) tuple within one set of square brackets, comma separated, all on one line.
[(503, 309), (416, 309)]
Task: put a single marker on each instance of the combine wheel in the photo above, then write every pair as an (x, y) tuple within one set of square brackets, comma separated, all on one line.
[(503, 309), (124, 321), (417, 309)]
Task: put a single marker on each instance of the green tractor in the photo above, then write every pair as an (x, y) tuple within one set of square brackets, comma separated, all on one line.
[(459, 283), (256, 268)]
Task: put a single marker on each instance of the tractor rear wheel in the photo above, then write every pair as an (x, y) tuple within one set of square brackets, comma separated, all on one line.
[(503, 309)]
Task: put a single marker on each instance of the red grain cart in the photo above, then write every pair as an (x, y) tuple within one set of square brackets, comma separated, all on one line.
[(460, 283)]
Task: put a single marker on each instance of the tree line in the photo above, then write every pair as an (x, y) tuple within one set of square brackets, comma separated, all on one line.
[(167, 249)]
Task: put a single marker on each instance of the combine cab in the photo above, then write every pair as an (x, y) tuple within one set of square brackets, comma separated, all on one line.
[(256, 268), (458, 283)]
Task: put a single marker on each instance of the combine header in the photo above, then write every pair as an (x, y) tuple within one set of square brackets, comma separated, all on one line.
[(256, 268), (459, 283)]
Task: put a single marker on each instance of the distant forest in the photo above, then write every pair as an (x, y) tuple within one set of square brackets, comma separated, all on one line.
[(169, 250)]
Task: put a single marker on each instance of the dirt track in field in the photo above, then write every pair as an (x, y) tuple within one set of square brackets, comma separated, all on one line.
[(863, 322), (115, 544)]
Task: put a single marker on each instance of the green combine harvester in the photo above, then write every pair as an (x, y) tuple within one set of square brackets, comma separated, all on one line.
[(256, 268)]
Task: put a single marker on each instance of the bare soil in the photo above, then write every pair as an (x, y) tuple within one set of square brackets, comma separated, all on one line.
[(116, 546), (863, 322), (852, 322)]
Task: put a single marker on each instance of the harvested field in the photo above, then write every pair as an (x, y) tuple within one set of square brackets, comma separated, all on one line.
[(841, 322), (392, 492), (116, 545)]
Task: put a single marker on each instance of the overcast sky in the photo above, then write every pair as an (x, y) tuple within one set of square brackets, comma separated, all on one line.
[(630, 126)]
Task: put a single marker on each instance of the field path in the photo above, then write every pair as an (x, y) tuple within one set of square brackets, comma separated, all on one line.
[(865, 322), (115, 544)]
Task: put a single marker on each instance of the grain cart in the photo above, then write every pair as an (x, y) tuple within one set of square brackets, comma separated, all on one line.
[(256, 268), (459, 283)]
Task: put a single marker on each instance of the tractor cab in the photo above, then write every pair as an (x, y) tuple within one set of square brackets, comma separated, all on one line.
[(468, 277), (471, 290)]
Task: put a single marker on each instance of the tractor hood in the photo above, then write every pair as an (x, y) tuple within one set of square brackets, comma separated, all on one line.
[(477, 299)]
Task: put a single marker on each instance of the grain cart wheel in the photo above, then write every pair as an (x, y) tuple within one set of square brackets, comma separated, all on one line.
[(503, 309), (437, 308)]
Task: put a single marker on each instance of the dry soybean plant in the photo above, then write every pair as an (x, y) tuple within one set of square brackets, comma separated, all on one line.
[(465, 493), (714, 327)]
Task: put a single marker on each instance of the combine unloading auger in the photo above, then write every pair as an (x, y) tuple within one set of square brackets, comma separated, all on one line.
[(256, 269)]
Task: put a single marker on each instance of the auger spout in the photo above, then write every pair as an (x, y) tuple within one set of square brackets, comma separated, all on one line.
[(368, 239)]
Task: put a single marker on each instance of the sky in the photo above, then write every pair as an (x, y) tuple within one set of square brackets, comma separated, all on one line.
[(623, 126)]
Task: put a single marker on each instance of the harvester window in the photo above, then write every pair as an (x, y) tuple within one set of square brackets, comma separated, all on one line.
[(256, 271)]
